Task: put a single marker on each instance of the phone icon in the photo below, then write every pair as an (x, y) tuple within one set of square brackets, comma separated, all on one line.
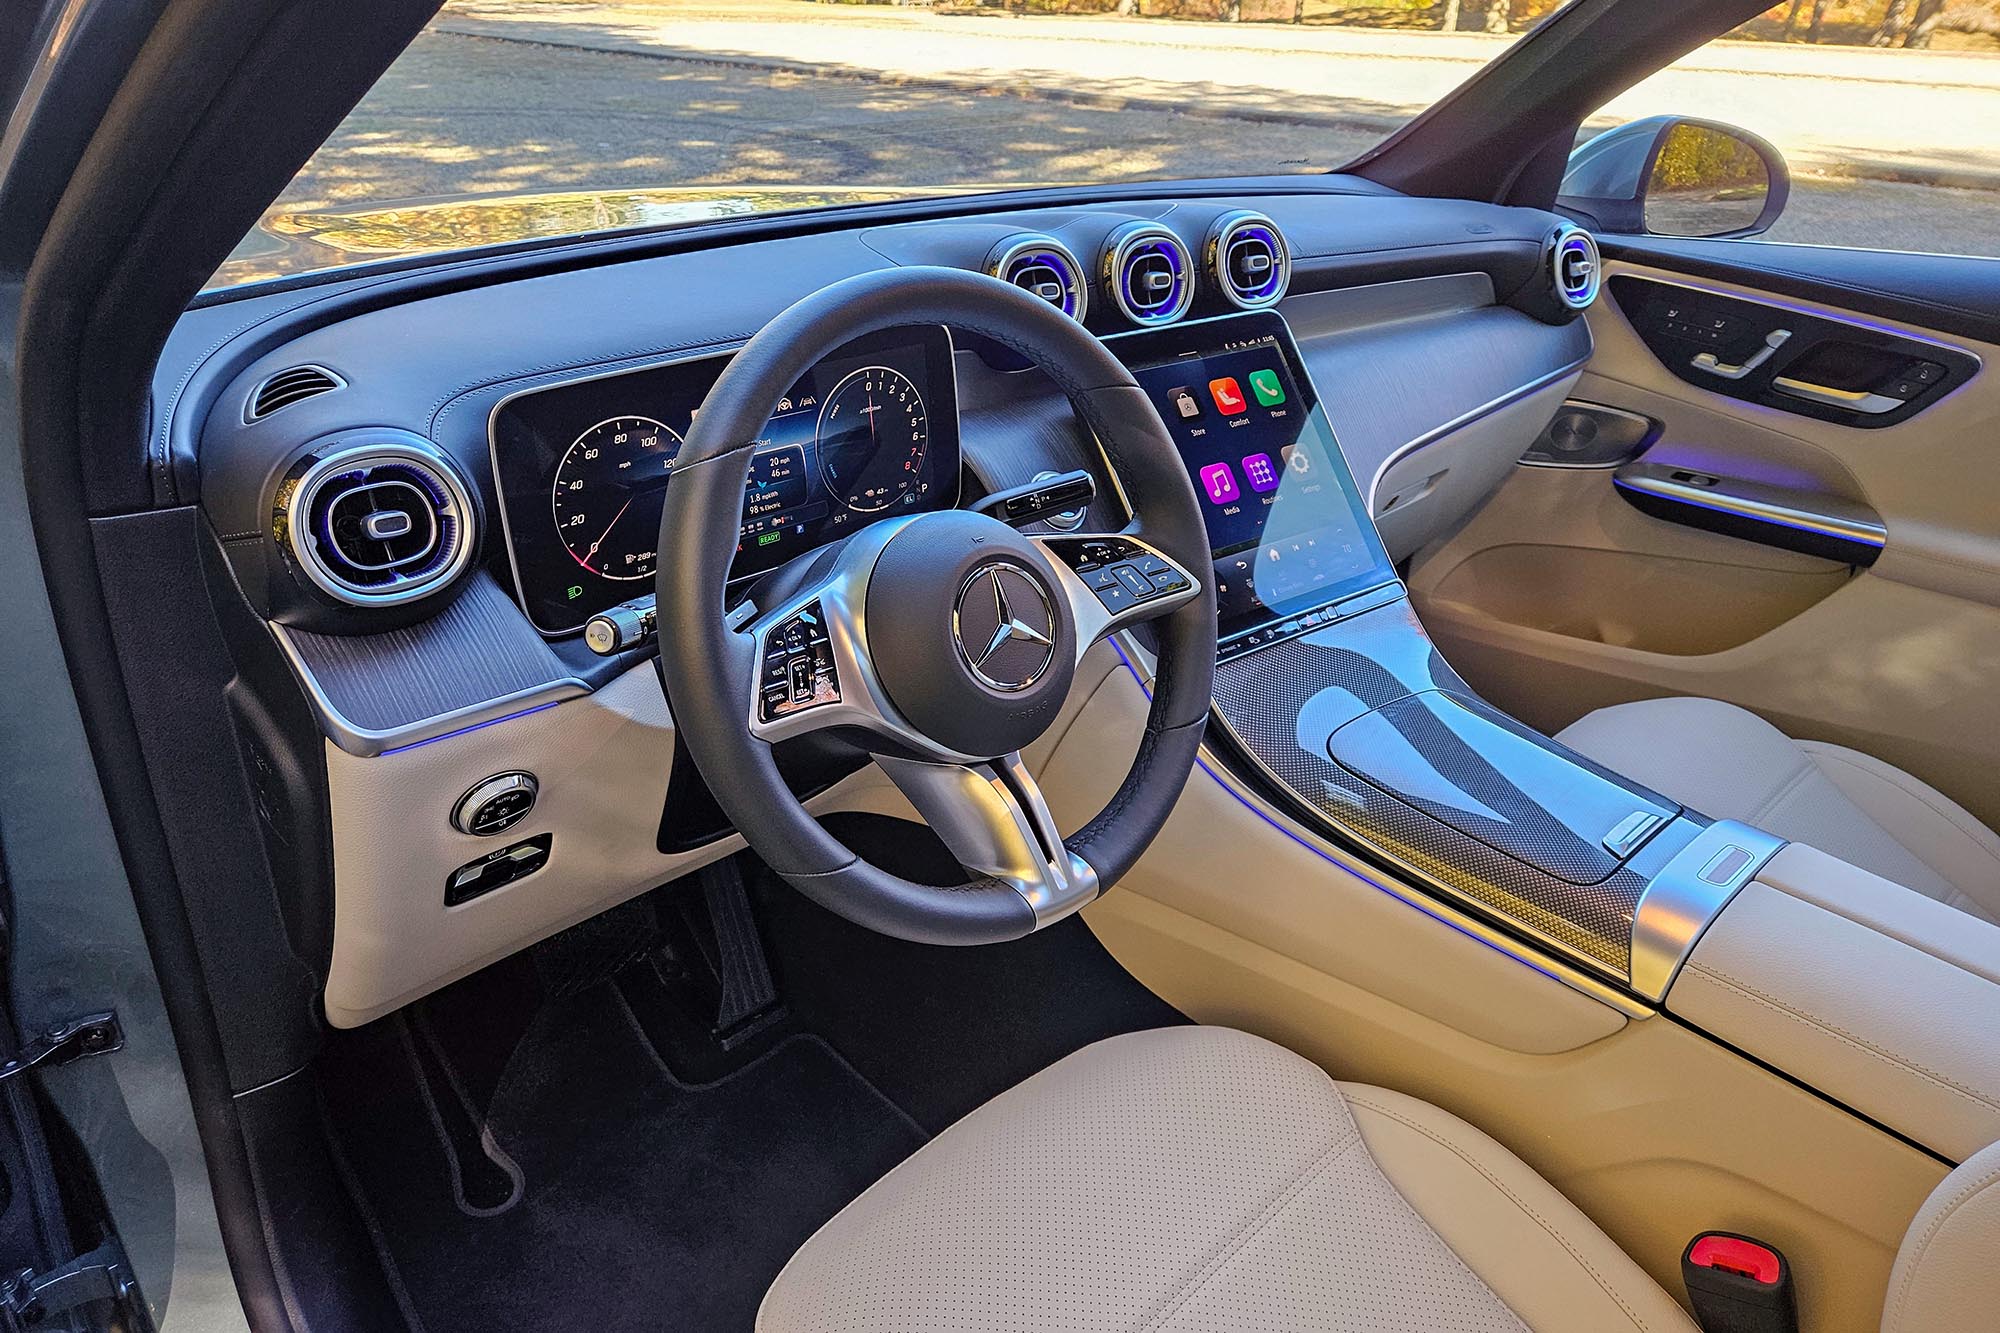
[(1269, 389), (1186, 406), (1228, 395), (1220, 483)]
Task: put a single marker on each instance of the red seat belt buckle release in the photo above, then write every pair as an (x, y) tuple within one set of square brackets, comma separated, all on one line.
[(1738, 1285)]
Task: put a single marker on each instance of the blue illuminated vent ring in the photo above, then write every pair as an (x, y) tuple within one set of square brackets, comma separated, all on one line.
[(327, 497), (1148, 272), (1247, 256), (1575, 267), (1043, 266)]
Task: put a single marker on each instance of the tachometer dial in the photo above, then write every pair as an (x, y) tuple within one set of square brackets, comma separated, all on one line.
[(872, 437), (608, 491)]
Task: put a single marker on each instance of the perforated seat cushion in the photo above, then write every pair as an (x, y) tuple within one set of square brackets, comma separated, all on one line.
[(1201, 1178)]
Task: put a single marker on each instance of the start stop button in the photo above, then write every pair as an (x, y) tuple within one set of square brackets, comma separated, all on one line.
[(495, 804)]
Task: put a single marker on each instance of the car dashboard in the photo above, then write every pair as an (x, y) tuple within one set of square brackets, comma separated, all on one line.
[(439, 496)]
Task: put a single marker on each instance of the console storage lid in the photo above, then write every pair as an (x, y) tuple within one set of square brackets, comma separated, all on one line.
[(1879, 997)]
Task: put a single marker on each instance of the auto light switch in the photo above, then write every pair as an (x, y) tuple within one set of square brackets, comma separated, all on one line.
[(495, 804)]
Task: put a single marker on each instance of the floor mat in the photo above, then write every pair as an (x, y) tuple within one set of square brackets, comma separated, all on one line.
[(599, 1191)]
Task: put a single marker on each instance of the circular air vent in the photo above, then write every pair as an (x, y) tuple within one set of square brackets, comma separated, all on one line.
[(1575, 267), (1246, 253), (1147, 271), (376, 524), (1042, 266)]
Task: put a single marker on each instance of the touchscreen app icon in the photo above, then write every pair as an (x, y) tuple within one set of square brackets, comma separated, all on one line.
[(1263, 477), (1266, 385), (1220, 482), (1228, 395), (1186, 406)]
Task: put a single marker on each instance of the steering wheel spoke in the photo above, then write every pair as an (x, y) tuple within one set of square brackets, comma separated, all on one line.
[(1114, 580), (993, 819)]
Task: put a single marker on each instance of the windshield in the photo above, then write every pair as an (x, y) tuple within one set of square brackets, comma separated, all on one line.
[(514, 119)]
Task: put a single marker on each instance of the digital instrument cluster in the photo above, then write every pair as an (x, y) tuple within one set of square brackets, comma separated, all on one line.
[(869, 433)]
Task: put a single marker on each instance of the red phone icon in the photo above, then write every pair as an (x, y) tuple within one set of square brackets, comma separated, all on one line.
[(1228, 395)]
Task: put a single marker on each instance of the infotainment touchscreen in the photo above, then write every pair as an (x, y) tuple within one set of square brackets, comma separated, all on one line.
[(1286, 523)]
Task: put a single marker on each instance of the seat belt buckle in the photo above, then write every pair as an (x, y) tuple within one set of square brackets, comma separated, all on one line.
[(1738, 1285)]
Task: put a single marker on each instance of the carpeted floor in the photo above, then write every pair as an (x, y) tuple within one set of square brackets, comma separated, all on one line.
[(602, 1192)]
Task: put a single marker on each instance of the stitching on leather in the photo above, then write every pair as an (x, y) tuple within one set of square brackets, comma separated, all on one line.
[(1922, 1251), (1251, 1229), (1784, 789), (1890, 775), (1501, 1185), (1859, 1043)]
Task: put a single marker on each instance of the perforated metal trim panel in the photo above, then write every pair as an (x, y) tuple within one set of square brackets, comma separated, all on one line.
[(1280, 704)]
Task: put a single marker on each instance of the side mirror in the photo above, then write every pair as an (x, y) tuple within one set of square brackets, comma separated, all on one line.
[(1674, 176)]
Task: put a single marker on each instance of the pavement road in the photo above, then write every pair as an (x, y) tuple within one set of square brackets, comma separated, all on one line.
[(506, 96)]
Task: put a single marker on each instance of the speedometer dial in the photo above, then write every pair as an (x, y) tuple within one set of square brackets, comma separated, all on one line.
[(872, 436), (607, 495)]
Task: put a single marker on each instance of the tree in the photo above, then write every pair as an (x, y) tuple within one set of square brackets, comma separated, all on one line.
[(1818, 21), (1497, 15), (1894, 20), (1450, 23), (1929, 14), (1792, 18)]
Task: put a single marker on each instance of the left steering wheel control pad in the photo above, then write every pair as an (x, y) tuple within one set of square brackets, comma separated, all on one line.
[(970, 634)]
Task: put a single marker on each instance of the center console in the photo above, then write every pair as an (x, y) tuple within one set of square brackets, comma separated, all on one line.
[(1330, 696)]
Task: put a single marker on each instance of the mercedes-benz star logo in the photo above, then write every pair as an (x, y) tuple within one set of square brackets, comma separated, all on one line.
[(1005, 627)]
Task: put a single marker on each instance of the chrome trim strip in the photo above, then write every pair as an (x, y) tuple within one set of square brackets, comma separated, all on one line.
[(1845, 527), (1682, 900), (1460, 422), (369, 743), (1426, 895)]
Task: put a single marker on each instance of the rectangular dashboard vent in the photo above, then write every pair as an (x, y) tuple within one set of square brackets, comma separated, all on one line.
[(290, 386)]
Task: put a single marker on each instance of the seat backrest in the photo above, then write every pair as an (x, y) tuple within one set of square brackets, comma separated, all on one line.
[(1947, 1274)]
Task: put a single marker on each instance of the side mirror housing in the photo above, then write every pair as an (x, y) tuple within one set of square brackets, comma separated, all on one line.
[(1676, 176)]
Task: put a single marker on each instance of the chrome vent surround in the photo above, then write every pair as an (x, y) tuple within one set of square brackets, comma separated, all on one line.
[(1575, 268), (1148, 273), (1246, 254), (376, 524), (1042, 266), (293, 385)]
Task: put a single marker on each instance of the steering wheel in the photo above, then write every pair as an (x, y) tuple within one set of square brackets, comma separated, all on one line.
[(942, 643)]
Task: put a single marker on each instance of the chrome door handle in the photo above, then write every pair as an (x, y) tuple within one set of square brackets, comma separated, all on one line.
[(1712, 363), (1851, 400)]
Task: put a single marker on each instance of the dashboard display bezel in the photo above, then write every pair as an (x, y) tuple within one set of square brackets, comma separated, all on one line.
[(1147, 350), (523, 454)]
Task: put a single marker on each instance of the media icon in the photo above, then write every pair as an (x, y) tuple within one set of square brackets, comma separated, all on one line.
[(1220, 483), (1261, 474)]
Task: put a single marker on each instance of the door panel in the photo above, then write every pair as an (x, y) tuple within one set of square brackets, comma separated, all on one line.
[(1570, 591)]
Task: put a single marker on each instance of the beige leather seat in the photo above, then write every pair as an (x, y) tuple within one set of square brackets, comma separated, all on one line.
[(1729, 763), (1201, 1178)]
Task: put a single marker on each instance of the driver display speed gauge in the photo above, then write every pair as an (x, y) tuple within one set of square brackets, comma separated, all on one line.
[(872, 435), (607, 495)]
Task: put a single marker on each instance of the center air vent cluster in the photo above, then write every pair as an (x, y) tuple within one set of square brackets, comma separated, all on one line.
[(1043, 266), (376, 524)]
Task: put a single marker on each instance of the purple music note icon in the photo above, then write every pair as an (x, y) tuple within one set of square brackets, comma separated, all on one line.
[(1220, 483)]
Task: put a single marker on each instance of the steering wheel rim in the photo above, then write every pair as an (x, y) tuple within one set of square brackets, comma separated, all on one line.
[(985, 805)]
